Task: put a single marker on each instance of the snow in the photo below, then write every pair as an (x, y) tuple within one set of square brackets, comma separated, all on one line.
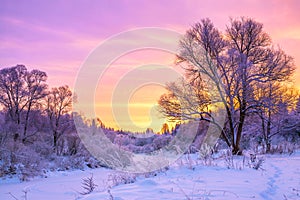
[(279, 178), (58, 185)]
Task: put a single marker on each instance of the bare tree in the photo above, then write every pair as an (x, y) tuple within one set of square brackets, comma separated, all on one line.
[(234, 62), (59, 103), (13, 95), (20, 90), (184, 101), (36, 90), (189, 101), (274, 100)]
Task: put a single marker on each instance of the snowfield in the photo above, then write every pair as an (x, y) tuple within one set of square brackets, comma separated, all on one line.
[(188, 178)]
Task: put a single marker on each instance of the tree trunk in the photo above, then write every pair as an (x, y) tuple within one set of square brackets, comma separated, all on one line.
[(236, 150), (268, 134), (268, 145), (26, 122), (55, 139), (236, 147), (231, 127)]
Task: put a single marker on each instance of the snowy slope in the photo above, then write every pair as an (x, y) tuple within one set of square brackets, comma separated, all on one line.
[(279, 179)]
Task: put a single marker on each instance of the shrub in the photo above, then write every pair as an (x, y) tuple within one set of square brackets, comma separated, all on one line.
[(20, 159), (88, 185)]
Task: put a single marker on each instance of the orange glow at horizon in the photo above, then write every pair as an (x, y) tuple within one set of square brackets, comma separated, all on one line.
[(127, 93)]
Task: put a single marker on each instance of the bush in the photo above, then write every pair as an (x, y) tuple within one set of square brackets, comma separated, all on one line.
[(22, 160), (143, 141), (121, 178), (161, 140), (63, 163), (88, 185)]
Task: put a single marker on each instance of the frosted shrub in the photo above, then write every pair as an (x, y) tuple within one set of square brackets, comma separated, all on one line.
[(161, 141), (121, 178), (111, 135), (255, 161), (29, 163), (88, 185), (143, 141), (228, 159), (122, 140), (7, 163), (205, 154), (232, 161), (43, 148), (63, 163), (72, 144), (258, 163), (284, 147), (92, 163), (20, 159), (147, 148)]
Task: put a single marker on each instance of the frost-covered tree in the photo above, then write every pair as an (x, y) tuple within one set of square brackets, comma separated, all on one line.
[(288, 126), (20, 91), (36, 90), (274, 100), (58, 103), (12, 91), (235, 62)]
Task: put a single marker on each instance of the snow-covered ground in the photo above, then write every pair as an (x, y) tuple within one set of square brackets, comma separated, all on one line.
[(279, 178)]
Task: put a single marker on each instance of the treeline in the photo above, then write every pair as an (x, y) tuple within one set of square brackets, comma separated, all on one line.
[(36, 125)]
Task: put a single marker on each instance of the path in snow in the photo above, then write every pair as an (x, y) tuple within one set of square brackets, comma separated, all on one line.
[(279, 180)]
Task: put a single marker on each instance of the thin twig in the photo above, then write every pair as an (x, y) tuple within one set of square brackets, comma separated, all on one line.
[(13, 196)]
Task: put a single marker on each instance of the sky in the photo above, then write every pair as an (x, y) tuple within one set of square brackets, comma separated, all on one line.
[(58, 36)]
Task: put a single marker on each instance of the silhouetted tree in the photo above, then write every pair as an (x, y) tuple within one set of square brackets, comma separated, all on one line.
[(165, 129)]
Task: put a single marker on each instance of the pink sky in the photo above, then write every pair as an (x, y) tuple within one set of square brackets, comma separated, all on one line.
[(57, 36)]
